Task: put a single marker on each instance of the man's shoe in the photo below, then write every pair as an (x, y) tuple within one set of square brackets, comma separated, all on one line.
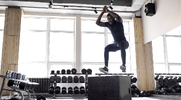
[(104, 69), (123, 68)]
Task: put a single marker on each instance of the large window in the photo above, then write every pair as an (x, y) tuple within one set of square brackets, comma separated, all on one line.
[(45, 44), (166, 52)]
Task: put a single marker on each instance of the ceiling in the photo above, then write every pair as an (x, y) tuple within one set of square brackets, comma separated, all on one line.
[(125, 8)]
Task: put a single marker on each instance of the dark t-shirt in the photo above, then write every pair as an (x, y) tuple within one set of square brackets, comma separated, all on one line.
[(117, 31)]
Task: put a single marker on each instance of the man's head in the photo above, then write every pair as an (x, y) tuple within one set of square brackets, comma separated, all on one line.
[(110, 18)]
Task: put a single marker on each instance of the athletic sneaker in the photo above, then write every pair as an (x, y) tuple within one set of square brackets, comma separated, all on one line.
[(123, 68), (104, 69)]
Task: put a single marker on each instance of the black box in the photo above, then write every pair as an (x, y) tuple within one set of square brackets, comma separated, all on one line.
[(109, 88), (150, 9)]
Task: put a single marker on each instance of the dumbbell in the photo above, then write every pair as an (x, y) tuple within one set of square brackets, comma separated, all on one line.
[(23, 77), (52, 79), (64, 90), (76, 90), (82, 90), (58, 79), (58, 71), (143, 94), (57, 90), (69, 79), (40, 97), (83, 71), (64, 79), (8, 74), (70, 91), (51, 90), (68, 71), (89, 71), (74, 71), (133, 79), (13, 75), (81, 79), (76, 79), (52, 72), (135, 90), (63, 71)]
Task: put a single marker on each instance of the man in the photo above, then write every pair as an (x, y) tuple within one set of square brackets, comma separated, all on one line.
[(115, 25)]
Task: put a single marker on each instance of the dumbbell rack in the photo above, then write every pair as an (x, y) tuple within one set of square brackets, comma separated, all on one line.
[(163, 75), (11, 90), (70, 95)]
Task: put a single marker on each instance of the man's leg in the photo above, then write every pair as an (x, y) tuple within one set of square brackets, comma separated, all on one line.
[(123, 56), (108, 48)]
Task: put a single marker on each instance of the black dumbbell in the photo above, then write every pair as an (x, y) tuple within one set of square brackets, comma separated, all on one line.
[(40, 97), (64, 90), (89, 71), (76, 79), (57, 90), (83, 71), (18, 76), (143, 94), (76, 90), (81, 79), (8, 74), (82, 90), (51, 90), (64, 79), (58, 79), (52, 72), (135, 90), (69, 79), (68, 71), (52, 79), (74, 71), (63, 71), (58, 71), (70, 91), (13, 75), (133, 79)]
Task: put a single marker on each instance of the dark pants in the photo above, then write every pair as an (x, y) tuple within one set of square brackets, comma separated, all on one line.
[(115, 47)]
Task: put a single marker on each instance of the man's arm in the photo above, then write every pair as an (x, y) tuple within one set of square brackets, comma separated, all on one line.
[(98, 21), (118, 18)]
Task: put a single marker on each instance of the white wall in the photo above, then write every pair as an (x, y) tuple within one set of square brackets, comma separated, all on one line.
[(167, 17)]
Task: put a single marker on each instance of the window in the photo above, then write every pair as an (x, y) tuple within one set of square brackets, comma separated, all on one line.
[(166, 52), (46, 44)]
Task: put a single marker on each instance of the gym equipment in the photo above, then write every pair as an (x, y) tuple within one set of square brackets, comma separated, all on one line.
[(51, 90), (83, 71), (52, 79), (76, 79), (18, 76), (64, 90), (13, 75), (64, 79), (89, 71), (58, 79), (82, 90), (40, 97), (63, 71), (135, 90), (57, 90), (68, 71), (81, 79), (133, 79), (109, 88), (76, 90), (58, 71), (23, 77), (69, 79), (70, 91), (74, 71), (52, 72)]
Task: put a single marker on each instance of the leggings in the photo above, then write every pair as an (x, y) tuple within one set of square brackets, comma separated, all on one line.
[(115, 47)]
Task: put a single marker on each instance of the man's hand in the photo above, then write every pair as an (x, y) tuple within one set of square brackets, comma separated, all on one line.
[(105, 8)]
